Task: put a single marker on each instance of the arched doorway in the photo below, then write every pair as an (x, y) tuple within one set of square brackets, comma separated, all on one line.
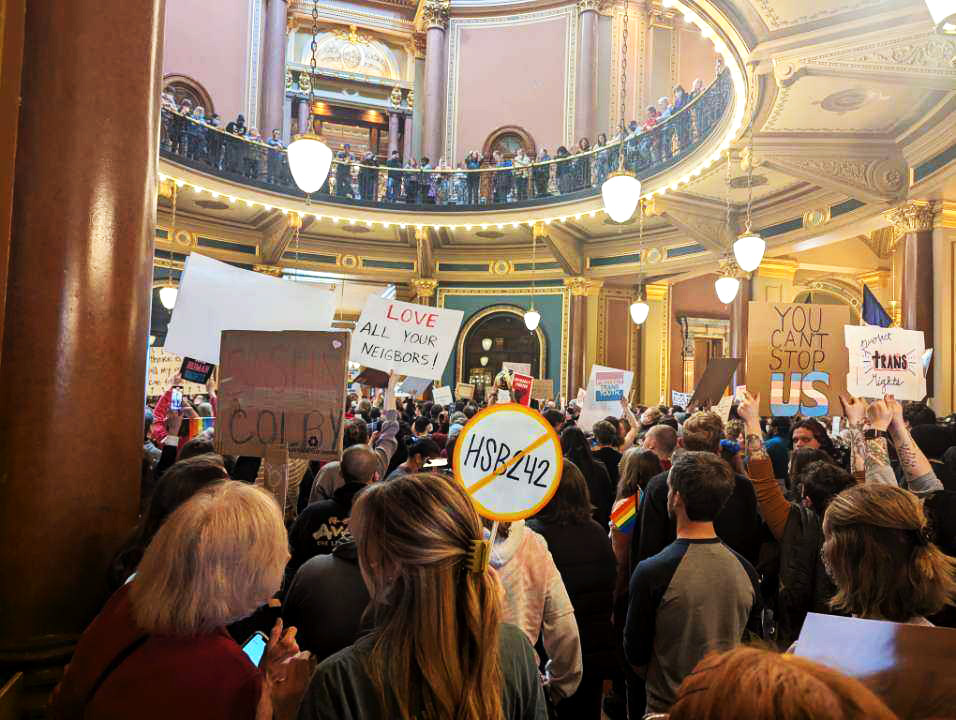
[(494, 336), (184, 87), (508, 140)]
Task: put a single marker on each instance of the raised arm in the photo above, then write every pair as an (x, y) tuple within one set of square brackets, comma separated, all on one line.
[(632, 421), (770, 498), (919, 473)]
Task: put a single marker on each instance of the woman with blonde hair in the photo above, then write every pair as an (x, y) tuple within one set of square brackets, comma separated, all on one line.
[(160, 646), (756, 684), (438, 648), (877, 549)]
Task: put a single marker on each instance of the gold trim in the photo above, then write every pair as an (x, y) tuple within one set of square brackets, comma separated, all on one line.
[(656, 291), (665, 354), (777, 268), (481, 315), (633, 333)]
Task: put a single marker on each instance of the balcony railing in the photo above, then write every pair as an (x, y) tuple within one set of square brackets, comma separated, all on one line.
[(233, 157)]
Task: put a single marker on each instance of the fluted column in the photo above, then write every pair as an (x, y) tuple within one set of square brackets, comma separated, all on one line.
[(395, 100), (273, 67), (580, 288), (407, 149), (738, 329), (585, 96), (435, 19), (303, 113), (78, 296)]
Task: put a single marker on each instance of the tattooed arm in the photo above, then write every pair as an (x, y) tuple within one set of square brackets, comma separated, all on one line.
[(919, 473), (854, 409), (876, 464)]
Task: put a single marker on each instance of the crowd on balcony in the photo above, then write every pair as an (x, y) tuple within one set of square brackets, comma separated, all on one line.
[(664, 134)]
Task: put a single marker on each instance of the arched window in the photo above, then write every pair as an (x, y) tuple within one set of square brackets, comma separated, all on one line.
[(185, 88), (508, 140), (496, 335)]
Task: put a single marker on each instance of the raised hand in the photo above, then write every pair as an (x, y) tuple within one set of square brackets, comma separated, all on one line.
[(854, 409), (878, 415)]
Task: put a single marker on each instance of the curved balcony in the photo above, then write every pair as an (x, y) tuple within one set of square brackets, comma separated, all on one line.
[(648, 153)]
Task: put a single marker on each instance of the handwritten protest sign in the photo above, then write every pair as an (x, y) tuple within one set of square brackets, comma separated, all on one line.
[(442, 395), (415, 387), (504, 396), (521, 387), (215, 296), (464, 391), (606, 387), (163, 367), (680, 399), (722, 408), (509, 459), (796, 359), (410, 339), (542, 389), (885, 361), (523, 368), (196, 371), (282, 388)]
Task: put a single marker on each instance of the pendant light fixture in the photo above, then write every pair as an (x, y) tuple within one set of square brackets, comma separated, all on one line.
[(169, 292), (727, 285), (309, 157), (749, 247), (639, 308), (486, 344), (943, 13), (483, 360), (532, 317), (621, 190)]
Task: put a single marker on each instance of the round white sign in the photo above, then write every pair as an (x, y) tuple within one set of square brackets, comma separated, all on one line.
[(509, 459)]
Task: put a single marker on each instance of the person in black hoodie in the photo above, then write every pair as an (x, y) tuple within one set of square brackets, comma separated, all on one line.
[(322, 524), (575, 447), (582, 553)]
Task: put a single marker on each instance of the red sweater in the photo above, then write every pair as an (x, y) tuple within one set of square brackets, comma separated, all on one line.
[(206, 677)]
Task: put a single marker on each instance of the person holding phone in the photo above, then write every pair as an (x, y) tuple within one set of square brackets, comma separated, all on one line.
[(159, 648)]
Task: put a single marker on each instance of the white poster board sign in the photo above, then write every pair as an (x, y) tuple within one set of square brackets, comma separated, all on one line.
[(885, 361), (722, 408), (680, 399), (521, 368), (504, 396), (442, 395), (413, 386), (509, 459), (606, 387), (163, 367), (406, 338), (215, 296)]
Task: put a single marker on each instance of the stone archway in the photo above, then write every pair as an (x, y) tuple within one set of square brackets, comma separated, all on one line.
[(509, 341)]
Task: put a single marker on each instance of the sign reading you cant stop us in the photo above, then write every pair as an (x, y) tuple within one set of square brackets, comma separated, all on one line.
[(509, 459)]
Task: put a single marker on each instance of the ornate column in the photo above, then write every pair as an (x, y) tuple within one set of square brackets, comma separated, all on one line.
[(302, 111), (738, 328), (585, 95), (424, 289), (77, 316), (435, 20), (577, 351), (407, 136), (395, 100), (915, 222), (273, 67)]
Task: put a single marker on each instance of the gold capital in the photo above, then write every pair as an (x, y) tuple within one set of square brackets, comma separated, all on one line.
[(435, 13), (580, 285), (273, 270), (424, 287), (911, 217)]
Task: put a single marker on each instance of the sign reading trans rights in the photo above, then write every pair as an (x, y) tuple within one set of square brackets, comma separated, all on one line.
[(885, 361), (409, 339)]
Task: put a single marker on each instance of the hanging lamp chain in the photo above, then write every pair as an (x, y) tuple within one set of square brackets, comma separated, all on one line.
[(312, 63), (750, 163), (640, 247), (172, 229), (534, 257), (620, 152)]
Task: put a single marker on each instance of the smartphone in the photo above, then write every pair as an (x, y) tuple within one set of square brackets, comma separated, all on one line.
[(176, 400), (255, 647)]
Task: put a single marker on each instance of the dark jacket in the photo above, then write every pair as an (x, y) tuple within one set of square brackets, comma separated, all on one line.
[(326, 600), (737, 524), (601, 492), (583, 556), (320, 526)]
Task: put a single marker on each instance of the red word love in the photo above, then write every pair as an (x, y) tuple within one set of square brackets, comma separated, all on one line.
[(425, 319)]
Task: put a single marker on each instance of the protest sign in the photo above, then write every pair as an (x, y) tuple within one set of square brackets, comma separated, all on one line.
[(215, 296), (410, 339), (282, 388), (521, 387), (885, 361), (464, 391), (442, 395), (275, 473), (509, 459), (523, 368), (196, 371), (504, 396), (582, 394), (542, 389), (796, 359), (680, 399), (163, 367), (710, 388), (415, 387), (723, 407), (606, 387)]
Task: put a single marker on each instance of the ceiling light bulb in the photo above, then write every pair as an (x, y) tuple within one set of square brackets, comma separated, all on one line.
[(167, 296), (621, 192), (749, 250), (531, 319), (639, 311), (309, 161), (486, 344), (726, 288), (484, 360)]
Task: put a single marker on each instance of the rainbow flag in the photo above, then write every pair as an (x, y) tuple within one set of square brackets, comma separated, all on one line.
[(197, 425), (625, 513)]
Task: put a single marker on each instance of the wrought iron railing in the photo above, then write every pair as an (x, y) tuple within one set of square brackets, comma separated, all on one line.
[(648, 152)]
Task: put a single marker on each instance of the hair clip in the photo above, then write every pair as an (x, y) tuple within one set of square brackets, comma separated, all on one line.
[(479, 555), (923, 536)]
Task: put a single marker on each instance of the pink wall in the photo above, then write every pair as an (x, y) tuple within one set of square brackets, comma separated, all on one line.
[(208, 41), (512, 75), (697, 58)]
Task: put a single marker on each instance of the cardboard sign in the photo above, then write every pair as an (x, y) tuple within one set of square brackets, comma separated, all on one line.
[(410, 339), (464, 391), (521, 387), (442, 395), (282, 388), (215, 296), (885, 361), (275, 473), (509, 460), (504, 396), (606, 387), (542, 389), (416, 387), (196, 371), (796, 358), (523, 368), (163, 367), (680, 399), (723, 407), (717, 376)]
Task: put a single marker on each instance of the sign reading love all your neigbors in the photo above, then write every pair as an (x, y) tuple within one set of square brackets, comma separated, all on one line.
[(406, 338)]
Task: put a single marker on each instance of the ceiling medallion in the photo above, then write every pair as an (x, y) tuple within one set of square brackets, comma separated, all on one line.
[(741, 181), (654, 255), (848, 100)]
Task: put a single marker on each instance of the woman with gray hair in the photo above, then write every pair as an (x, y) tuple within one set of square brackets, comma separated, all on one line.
[(160, 646)]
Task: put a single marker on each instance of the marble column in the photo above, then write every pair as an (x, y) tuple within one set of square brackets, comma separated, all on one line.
[(286, 120), (577, 352), (273, 67), (302, 109), (585, 96), (435, 16), (393, 121), (915, 221), (738, 329), (77, 316), (407, 140)]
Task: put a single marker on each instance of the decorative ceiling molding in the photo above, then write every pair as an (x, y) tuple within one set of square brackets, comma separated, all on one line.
[(779, 14), (912, 217), (883, 241), (707, 229)]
